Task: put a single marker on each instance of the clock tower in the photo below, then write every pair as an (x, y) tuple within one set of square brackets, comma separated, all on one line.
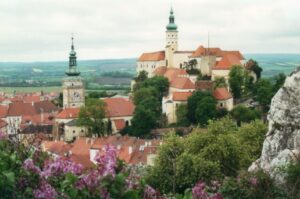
[(73, 84)]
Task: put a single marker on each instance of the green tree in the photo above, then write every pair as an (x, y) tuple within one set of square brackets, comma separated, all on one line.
[(243, 114), (144, 93), (181, 114), (142, 76), (254, 66), (193, 103), (263, 93), (279, 81), (206, 110), (142, 122), (220, 82), (236, 80), (92, 117), (160, 83)]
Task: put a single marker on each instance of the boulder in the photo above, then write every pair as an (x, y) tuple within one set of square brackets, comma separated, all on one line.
[(282, 143)]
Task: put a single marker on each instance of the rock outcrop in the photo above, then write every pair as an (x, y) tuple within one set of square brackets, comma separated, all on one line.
[(282, 143)]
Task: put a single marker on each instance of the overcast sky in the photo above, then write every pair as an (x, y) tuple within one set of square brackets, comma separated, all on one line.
[(40, 30)]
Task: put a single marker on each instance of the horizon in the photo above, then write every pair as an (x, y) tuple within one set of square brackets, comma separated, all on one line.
[(128, 30)]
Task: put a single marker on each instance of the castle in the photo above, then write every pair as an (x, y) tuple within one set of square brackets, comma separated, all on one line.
[(174, 64)]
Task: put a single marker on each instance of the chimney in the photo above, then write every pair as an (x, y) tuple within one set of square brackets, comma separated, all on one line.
[(32, 103), (130, 149)]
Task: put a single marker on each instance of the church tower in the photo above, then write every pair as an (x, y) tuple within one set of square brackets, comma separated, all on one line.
[(171, 39), (73, 84)]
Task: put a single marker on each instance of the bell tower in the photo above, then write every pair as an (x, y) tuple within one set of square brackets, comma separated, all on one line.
[(73, 83), (171, 39)]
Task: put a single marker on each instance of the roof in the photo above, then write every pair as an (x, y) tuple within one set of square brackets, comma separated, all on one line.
[(222, 94), (153, 56), (160, 70), (120, 124), (68, 113), (229, 59), (72, 123), (201, 51), (57, 147), (181, 96), (2, 123), (204, 85), (3, 111), (182, 83), (31, 98), (118, 107)]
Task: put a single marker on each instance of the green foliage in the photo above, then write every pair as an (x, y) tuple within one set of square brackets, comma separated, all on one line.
[(144, 93), (279, 81), (92, 117), (293, 180), (160, 83), (263, 92), (181, 114), (206, 110), (254, 66), (236, 80), (251, 186), (192, 104), (117, 74), (98, 95), (243, 114), (220, 82), (142, 76)]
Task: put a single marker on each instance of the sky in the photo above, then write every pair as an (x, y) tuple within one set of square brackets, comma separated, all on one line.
[(40, 30)]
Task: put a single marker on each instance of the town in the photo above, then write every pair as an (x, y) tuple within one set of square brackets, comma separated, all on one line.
[(191, 120)]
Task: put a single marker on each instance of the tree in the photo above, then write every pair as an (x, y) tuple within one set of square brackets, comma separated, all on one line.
[(142, 76), (236, 80), (242, 114), (253, 66), (160, 83), (181, 114), (92, 117), (142, 122), (264, 92), (193, 103), (279, 81), (220, 82), (144, 93), (206, 110)]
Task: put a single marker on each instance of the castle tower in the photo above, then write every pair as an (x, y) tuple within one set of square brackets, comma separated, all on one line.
[(73, 84), (171, 39)]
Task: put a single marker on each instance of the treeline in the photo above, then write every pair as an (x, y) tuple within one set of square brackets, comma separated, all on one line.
[(117, 74)]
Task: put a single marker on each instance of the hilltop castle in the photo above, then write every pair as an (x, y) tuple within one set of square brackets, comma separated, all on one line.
[(174, 64)]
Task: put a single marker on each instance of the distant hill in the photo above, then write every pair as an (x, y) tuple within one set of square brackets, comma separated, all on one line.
[(96, 70)]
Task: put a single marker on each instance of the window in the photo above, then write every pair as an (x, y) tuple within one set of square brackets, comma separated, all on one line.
[(74, 131)]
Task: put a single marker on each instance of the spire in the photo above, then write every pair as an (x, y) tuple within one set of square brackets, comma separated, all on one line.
[(171, 26), (72, 60), (72, 47)]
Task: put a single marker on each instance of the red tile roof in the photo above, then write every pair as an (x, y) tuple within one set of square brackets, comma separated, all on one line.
[(68, 113), (172, 73), (201, 51), (120, 124), (204, 85), (222, 94), (182, 83), (160, 70), (228, 60), (2, 123), (31, 98), (3, 111), (181, 96), (118, 107), (153, 56), (21, 108)]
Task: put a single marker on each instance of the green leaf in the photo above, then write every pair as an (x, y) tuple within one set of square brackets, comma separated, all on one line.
[(10, 177)]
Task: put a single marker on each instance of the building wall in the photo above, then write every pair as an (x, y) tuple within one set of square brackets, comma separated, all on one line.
[(172, 89), (180, 58), (72, 132), (13, 124), (149, 66), (220, 73), (169, 109), (206, 64), (226, 104)]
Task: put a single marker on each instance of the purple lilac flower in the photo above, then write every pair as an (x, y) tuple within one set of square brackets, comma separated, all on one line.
[(216, 196), (91, 180), (253, 181), (61, 166), (107, 162), (2, 136), (215, 185), (45, 191), (28, 165), (199, 191), (149, 193)]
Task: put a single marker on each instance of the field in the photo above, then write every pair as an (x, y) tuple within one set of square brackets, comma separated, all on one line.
[(29, 89)]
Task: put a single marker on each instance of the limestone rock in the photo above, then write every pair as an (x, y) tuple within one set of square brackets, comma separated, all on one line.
[(282, 143)]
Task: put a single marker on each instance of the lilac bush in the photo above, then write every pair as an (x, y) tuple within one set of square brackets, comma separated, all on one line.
[(202, 191)]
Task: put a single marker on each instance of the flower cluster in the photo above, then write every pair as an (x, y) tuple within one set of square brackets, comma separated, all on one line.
[(201, 191), (2, 136), (107, 162), (45, 191), (149, 193)]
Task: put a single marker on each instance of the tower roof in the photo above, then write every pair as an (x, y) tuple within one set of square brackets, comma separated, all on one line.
[(171, 26), (72, 61)]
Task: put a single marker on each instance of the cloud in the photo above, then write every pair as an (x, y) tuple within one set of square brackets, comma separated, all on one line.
[(40, 30)]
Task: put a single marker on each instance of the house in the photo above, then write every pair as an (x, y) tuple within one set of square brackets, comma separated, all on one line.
[(224, 99), (131, 150)]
